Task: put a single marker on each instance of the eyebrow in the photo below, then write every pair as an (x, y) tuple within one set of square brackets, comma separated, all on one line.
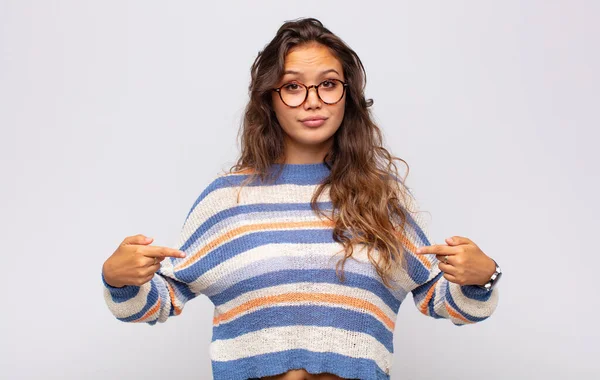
[(321, 73)]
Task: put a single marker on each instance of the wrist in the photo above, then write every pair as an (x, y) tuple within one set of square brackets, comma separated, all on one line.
[(108, 280), (491, 269), (493, 278)]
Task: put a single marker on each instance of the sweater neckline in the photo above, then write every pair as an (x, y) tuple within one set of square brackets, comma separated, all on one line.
[(316, 171)]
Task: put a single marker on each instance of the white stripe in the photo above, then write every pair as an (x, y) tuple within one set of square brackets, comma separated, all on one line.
[(263, 252), (224, 198), (129, 307), (225, 227), (309, 288), (470, 306), (313, 338), (253, 218), (200, 243)]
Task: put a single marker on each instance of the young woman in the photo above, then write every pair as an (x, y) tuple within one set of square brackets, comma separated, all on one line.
[(309, 244)]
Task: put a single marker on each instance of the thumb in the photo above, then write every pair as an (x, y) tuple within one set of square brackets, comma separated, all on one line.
[(138, 239)]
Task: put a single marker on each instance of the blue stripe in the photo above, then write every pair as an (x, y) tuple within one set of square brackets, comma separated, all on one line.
[(306, 315), (245, 209), (150, 301), (289, 176), (180, 289), (433, 299), (291, 276), (420, 292), (452, 303), (416, 269), (422, 289), (305, 260), (247, 242), (432, 312), (122, 294), (314, 362), (417, 228), (476, 293), (119, 295)]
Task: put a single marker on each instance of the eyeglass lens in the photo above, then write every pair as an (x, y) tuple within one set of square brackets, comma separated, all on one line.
[(330, 91)]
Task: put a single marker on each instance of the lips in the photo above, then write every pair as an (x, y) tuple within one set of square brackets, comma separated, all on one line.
[(313, 121), (312, 118)]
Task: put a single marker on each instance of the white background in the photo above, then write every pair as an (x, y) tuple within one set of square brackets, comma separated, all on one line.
[(115, 115)]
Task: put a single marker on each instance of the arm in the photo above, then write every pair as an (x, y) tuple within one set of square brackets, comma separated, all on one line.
[(163, 296), (462, 304), (178, 280), (436, 296)]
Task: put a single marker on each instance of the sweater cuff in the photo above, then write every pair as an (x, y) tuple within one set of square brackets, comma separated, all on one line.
[(475, 292), (123, 292)]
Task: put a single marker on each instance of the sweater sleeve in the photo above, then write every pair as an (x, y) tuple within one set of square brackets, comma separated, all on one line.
[(179, 279), (434, 295)]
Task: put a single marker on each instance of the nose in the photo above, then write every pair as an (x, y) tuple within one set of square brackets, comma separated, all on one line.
[(312, 99)]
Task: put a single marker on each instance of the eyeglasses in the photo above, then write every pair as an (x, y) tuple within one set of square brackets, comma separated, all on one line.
[(294, 94)]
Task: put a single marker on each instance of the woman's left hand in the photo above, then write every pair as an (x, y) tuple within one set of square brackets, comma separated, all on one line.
[(466, 263)]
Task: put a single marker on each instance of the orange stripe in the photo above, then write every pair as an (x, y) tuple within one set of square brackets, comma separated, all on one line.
[(149, 312), (319, 297), (451, 311), (412, 248), (428, 297), (172, 296), (455, 314), (230, 235)]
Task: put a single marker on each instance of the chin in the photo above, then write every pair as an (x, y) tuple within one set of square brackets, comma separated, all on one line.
[(313, 137)]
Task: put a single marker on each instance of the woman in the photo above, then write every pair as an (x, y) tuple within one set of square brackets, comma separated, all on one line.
[(313, 182)]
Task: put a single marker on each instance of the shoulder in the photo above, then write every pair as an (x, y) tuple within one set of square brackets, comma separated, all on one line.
[(221, 192), (226, 180), (403, 193)]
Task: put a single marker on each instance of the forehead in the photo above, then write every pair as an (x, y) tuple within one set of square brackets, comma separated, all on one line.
[(311, 59)]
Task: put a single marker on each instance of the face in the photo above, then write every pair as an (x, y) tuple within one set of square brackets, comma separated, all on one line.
[(306, 143)]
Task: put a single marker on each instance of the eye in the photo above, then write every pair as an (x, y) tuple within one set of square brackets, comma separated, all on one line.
[(329, 84), (291, 86)]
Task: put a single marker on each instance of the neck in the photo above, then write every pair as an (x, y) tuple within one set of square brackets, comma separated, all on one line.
[(296, 153)]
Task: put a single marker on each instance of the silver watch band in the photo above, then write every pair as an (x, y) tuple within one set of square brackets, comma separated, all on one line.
[(494, 279)]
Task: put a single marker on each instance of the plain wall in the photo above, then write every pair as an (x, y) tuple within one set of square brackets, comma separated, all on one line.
[(115, 115)]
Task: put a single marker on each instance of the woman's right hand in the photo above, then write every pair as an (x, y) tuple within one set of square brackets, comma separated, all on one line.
[(135, 261)]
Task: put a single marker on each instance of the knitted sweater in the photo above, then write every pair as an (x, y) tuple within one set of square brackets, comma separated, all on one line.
[(267, 263)]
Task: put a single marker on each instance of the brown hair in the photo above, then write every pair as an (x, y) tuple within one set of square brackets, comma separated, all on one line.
[(363, 182)]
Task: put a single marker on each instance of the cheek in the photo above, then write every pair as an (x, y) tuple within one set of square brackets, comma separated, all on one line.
[(284, 116), (279, 111), (339, 113)]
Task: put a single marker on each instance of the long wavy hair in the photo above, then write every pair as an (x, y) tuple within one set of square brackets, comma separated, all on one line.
[(368, 198)]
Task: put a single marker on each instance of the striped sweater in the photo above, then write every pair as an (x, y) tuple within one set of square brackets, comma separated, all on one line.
[(267, 261)]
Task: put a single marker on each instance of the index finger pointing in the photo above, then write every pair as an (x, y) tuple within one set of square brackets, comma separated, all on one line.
[(437, 249), (152, 251)]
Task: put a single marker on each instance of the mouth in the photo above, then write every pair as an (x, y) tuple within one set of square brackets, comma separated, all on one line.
[(315, 121)]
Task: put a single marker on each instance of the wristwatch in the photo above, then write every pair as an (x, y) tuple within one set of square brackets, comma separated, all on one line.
[(493, 280)]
